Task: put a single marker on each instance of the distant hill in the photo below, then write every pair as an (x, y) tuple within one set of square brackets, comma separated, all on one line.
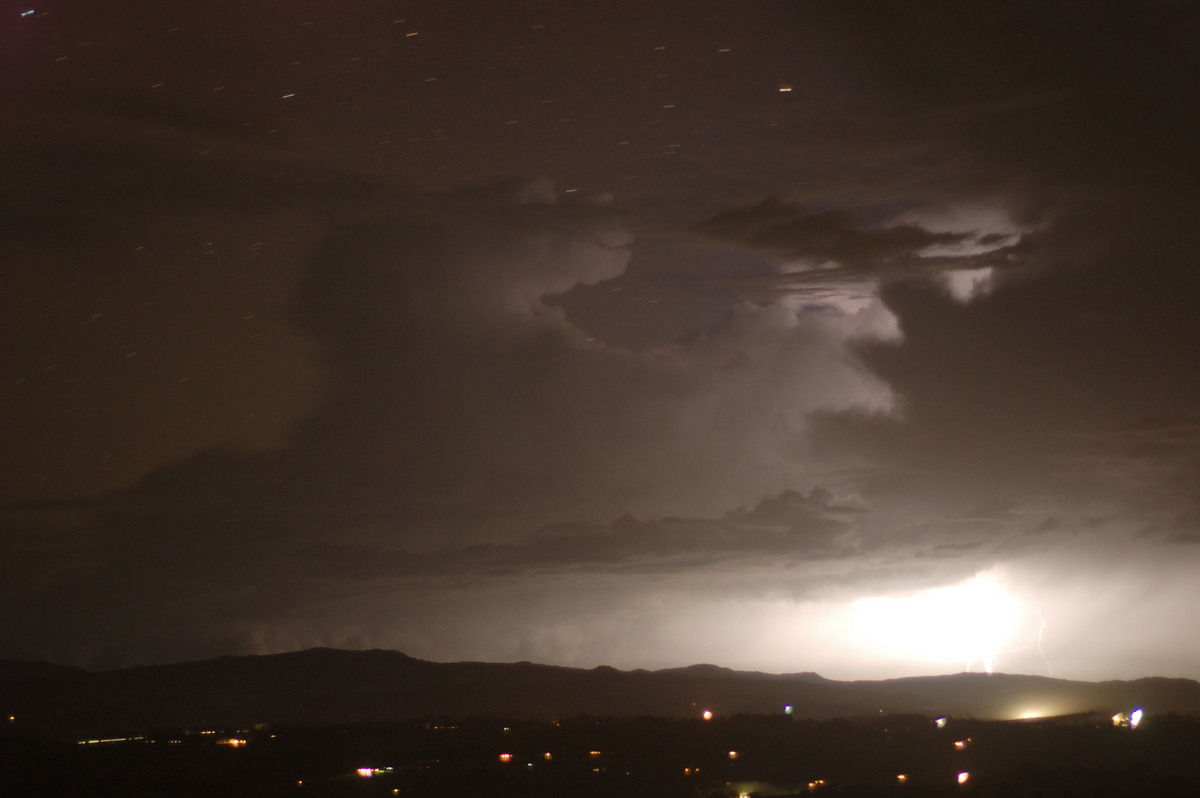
[(334, 686)]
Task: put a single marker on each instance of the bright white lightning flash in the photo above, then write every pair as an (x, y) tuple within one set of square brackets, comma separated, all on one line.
[(976, 621)]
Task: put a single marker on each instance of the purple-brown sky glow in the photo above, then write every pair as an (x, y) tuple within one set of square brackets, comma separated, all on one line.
[(823, 335)]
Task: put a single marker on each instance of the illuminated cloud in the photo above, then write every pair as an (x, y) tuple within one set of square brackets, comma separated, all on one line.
[(831, 249), (533, 420), (458, 379)]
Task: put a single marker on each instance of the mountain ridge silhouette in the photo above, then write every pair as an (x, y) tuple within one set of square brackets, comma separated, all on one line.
[(326, 685)]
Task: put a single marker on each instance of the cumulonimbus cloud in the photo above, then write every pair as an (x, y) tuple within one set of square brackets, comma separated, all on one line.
[(465, 408)]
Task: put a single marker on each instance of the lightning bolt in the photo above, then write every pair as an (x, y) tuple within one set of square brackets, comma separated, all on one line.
[(1035, 641), (1041, 630)]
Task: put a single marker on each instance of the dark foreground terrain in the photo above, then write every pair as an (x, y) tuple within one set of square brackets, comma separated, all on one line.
[(748, 755), (326, 686)]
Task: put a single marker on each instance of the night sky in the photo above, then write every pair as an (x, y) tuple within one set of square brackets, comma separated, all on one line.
[(837, 335)]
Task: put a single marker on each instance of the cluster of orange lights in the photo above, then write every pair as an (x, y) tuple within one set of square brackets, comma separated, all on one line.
[(507, 757), (961, 777)]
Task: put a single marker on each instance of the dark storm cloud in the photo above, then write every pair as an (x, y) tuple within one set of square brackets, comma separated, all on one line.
[(779, 529), (1069, 115), (193, 577), (1151, 466), (457, 384), (463, 408), (786, 227), (78, 190), (835, 247), (505, 368), (1103, 71)]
